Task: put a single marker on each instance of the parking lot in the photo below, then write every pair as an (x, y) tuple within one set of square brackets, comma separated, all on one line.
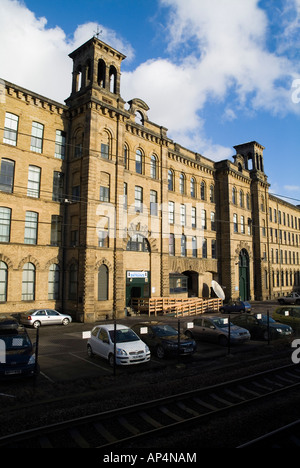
[(62, 350)]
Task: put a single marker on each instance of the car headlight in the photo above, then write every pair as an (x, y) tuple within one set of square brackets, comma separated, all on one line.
[(279, 330), (121, 352), (31, 359)]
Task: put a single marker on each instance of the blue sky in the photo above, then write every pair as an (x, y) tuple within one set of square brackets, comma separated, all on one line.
[(216, 73)]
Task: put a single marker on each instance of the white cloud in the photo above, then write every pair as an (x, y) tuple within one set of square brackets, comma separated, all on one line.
[(36, 57), (216, 48)]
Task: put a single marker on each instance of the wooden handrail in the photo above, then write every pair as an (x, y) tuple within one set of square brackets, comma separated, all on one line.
[(176, 306)]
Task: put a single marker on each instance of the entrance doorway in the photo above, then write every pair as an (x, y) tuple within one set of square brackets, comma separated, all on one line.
[(137, 285), (244, 276), (193, 288)]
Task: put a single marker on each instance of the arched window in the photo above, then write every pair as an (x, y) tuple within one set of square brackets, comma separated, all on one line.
[(103, 283), (53, 282), (212, 194), (138, 243), (193, 187), (28, 282), (241, 199), (101, 73), (112, 79), (105, 145), (126, 156), (73, 282), (3, 282), (182, 183), (139, 162), (139, 118), (202, 190), (153, 167), (170, 180), (234, 195)]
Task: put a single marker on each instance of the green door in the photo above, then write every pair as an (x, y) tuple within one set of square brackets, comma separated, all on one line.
[(244, 276), (137, 286)]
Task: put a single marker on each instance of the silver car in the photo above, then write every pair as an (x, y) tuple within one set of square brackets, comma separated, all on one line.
[(216, 329), (38, 317)]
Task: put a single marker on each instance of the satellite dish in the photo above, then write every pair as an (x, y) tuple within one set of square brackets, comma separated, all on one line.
[(218, 290)]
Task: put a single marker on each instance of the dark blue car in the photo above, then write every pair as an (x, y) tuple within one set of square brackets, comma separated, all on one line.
[(236, 307)]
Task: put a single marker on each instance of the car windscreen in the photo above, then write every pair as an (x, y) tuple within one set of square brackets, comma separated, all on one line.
[(264, 319), (123, 335), (221, 322), (164, 330), (15, 341)]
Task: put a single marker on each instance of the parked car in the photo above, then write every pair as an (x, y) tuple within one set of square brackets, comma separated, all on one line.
[(216, 330), (257, 324), (289, 315), (17, 353), (235, 307), (38, 317), (130, 349), (293, 298), (162, 339)]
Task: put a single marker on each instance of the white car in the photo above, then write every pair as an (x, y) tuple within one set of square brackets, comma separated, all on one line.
[(130, 349)]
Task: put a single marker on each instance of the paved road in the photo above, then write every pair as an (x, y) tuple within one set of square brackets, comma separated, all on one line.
[(62, 350)]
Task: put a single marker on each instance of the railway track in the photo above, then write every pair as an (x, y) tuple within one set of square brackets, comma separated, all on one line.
[(153, 418), (286, 436)]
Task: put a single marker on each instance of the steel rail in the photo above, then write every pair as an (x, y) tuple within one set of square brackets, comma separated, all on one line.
[(151, 418)]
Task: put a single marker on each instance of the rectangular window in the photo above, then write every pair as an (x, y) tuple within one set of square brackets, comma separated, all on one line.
[(213, 249), (125, 196), (103, 232), (182, 215), (153, 203), (138, 199), (235, 223), (31, 224), (34, 177), (213, 221), (242, 225), (10, 129), (203, 219), (60, 144), (58, 186), (5, 219), (178, 283), (104, 151), (194, 247), (37, 137), (171, 213), (76, 193), (56, 232), (7, 175), (104, 194), (183, 246), (193, 216), (204, 248), (171, 244)]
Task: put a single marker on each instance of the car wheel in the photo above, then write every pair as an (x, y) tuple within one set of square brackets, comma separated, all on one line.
[(189, 334), (281, 301), (223, 340), (160, 352), (65, 321), (265, 335), (298, 301), (36, 324), (222, 311), (111, 360), (90, 351)]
